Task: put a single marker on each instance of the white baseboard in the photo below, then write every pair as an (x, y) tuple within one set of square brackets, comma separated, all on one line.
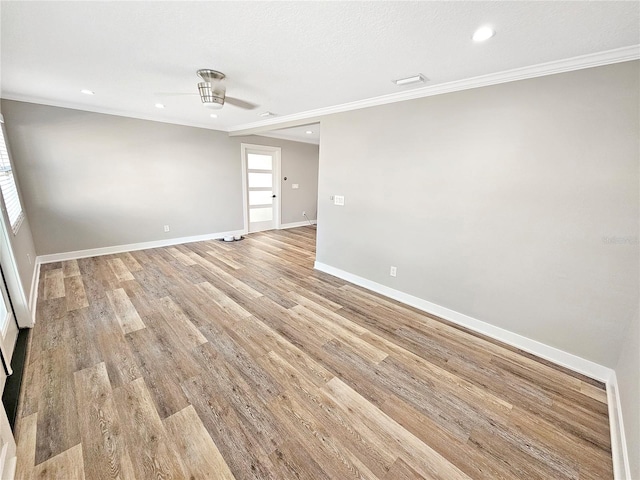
[(619, 452), (555, 355), (297, 224), (95, 252)]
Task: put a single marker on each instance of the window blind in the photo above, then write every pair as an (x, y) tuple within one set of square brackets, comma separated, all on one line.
[(8, 187)]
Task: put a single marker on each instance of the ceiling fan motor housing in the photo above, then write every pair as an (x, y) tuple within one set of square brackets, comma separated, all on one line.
[(211, 90)]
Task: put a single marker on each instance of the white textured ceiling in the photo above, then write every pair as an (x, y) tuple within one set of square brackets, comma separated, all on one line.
[(287, 57)]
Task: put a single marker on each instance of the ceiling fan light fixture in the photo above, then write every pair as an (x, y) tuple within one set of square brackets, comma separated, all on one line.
[(209, 96)]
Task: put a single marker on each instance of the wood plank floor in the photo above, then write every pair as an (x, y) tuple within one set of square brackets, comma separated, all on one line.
[(221, 361)]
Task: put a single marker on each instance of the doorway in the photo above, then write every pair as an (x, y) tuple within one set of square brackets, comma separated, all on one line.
[(261, 187)]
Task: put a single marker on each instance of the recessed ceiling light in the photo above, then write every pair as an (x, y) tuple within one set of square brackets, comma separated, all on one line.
[(482, 34), (419, 78), (159, 105), (87, 92), (213, 115), (266, 114), (308, 132)]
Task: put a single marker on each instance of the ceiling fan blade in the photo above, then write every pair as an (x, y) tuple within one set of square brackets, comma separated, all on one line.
[(240, 103)]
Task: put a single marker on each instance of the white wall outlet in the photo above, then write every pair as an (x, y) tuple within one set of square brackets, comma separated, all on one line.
[(393, 271), (304, 212), (29, 258), (295, 186), (338, 200), (331, 197), (166, 228)]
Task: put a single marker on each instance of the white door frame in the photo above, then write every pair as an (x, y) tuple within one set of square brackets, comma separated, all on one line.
[(277, 155)]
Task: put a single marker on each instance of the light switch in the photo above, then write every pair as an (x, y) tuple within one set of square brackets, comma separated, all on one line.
[(338, 200), (294, 186)]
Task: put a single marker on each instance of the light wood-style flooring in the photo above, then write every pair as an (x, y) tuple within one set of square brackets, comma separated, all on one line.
[(217, 361)]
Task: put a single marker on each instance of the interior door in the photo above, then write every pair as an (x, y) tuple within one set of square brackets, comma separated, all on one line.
[(261, 167)]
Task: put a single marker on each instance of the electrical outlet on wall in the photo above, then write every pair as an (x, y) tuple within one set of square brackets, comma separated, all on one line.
[(393, 271), (304, 213), (166, 228)]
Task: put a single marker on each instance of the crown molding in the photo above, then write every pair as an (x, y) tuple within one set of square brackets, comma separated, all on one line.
[(104, 110), (607, 57)]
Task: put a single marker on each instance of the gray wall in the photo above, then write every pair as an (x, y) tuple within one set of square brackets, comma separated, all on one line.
[(25, 254), (628, 375), (498, 203), (299, 165), (91, 180)]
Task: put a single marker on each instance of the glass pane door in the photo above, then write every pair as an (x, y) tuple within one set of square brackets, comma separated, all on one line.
[(260, 189)]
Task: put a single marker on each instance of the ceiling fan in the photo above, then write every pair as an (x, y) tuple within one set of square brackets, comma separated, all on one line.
[(212, 91)]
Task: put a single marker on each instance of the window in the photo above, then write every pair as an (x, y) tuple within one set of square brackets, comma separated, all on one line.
[(8, 187)]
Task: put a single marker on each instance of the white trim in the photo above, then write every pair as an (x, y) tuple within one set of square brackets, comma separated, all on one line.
[(277, 186), (619, 452), (95, 252), (245, 192), (608, 57), (296, 224), (555, 355), (33, 294), (277, 159), (18, 97)]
